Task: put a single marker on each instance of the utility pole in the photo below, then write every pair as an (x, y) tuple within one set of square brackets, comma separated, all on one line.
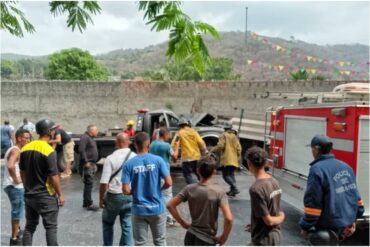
[(246, 25), (246, 37)]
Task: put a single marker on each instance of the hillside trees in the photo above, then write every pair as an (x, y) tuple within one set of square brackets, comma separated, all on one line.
[(218, 69), (8, 69), (185, 38)]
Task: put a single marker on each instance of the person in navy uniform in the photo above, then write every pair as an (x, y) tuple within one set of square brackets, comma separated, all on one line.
[(332, 202)]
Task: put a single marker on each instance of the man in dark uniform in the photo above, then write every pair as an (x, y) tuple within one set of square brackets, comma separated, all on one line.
[(88, 152), (332, 202)]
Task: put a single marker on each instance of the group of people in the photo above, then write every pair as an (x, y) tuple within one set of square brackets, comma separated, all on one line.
[(137, 187), (8, 133)]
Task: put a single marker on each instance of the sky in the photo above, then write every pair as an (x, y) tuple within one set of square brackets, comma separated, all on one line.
[(121, 26)]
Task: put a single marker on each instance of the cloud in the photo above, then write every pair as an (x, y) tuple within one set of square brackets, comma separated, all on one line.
[(120, 25)]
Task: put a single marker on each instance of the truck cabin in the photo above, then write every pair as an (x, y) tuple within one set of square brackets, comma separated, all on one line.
[(149, 120)]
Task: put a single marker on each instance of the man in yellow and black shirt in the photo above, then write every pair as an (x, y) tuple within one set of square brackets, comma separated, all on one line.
[(43, 195), (192, 146)]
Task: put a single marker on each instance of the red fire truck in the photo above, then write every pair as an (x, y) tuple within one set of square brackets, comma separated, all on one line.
[(291, 129)]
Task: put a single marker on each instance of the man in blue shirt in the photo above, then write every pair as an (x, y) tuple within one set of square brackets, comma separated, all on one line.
[(6, 138), (331, 201), (163, 149), (144, 172)]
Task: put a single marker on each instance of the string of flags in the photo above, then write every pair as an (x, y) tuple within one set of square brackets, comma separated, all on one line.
[(287, 68), (305, 57)]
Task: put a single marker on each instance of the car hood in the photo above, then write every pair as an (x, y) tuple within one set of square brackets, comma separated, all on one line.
[(201, 119)]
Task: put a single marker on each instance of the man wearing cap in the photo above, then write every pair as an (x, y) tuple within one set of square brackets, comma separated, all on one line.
[(192, 147), (229, 147), (43, 195), (130, 128), (331, 201)]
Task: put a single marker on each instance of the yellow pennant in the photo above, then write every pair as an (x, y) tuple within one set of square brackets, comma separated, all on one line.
[(249, 62)]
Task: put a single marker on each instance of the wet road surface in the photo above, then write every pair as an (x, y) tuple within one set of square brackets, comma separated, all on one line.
[(80, 227)]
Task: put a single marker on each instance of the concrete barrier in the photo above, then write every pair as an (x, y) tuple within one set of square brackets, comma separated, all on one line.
[(75, 104)]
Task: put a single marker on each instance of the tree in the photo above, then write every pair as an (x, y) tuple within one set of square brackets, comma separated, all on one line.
[(299, 75), (74, 64), (185, 38), (8, 69), (221, 69), (13, 20)]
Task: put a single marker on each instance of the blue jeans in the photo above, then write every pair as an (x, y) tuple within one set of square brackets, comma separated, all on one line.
[(16, 200), (157, 224), (228, 174), (189, 167), (117, 205), (167, 196)]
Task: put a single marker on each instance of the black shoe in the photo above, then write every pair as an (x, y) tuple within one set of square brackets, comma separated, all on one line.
[(92, 207), (229, 193), (20, 233), (232, 192), (17, 241)]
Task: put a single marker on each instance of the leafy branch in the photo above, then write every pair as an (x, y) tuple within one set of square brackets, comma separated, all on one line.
[(78, 16), (185, 39), (12, 19)]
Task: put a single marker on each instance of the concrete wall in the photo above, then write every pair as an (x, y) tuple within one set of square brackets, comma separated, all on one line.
[(75, 104)]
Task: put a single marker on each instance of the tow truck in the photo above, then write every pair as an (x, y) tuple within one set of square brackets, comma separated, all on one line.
[(148, 121)]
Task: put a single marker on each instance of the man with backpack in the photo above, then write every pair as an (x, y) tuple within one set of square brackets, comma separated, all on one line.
[(112, 200)]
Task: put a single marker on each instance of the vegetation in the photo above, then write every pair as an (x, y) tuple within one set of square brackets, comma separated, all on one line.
[(22, 69), (185, 38), (299, 75), (318, 78), (218, 69), (8, 69), (74, 64), (302, 75)]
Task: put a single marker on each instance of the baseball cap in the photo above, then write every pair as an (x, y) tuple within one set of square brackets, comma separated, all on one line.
[(320, 141)]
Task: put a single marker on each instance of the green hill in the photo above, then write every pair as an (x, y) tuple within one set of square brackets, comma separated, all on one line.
[(258, 58)]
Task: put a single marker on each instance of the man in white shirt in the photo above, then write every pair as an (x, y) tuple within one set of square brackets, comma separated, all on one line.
[(112, 200), (27, 125), (13, 185)]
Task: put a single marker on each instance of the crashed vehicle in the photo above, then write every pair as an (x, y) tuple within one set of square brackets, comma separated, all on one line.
[(148, 121)]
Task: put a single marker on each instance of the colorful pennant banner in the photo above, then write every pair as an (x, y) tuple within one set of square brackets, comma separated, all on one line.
[(304, 57), (314, 71)]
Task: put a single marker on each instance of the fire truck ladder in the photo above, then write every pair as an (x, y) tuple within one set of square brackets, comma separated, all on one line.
[(270, 110)]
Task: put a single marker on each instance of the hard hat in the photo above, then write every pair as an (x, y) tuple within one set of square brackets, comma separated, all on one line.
[(322, 237), (44, 126), (130, 122), (228, 126), (183, 121)]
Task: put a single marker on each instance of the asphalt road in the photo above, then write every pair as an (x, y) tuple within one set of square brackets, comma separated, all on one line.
[(80, 227)]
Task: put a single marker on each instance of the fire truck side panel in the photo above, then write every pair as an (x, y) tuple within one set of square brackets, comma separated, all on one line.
[(298, 133), (344, 141), (346, 125), (363, 161)]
